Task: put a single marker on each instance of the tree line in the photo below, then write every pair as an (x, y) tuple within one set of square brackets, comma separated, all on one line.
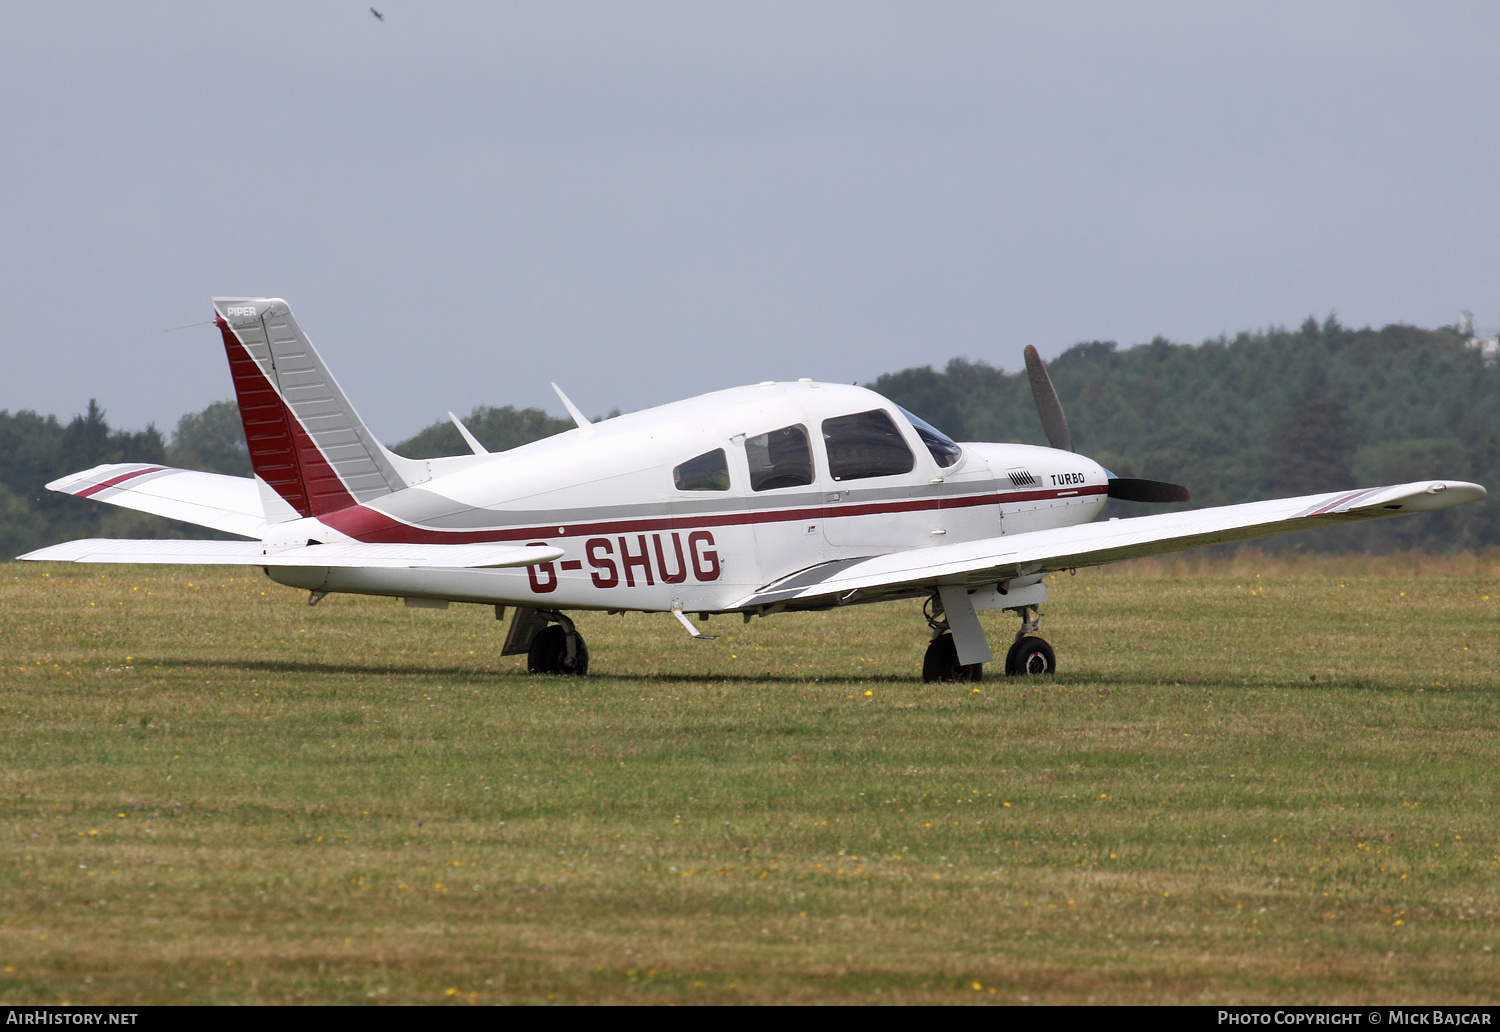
[(1278, 412)]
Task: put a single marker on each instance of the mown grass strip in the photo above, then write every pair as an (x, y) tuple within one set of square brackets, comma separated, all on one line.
[(1241, 788)]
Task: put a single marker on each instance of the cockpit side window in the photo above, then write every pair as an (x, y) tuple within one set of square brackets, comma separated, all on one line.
[(945, 451), (706, 472), (781, 458), (866, 444)]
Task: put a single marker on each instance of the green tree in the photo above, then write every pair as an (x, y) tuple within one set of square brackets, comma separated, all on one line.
[(35, 450), (30, 452), (1312, 449), (88, 441), (19, 530), (928, 394)]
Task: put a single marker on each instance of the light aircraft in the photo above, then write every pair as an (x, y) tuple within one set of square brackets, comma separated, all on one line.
[(751, 501)]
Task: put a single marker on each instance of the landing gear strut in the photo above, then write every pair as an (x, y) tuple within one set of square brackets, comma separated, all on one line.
[(1030, 654), (941, 661)]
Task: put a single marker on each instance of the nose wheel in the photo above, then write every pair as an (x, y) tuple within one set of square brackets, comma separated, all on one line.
[(1030, 654)]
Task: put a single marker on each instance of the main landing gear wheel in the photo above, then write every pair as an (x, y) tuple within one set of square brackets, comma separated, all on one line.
[(558, 650), (1030, 655), (941, 662)]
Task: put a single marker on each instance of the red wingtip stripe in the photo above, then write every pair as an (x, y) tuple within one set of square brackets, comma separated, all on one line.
[(94, 489), (1341, 500)]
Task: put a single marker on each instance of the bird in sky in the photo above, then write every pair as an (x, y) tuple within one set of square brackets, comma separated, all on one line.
[(377, 14)]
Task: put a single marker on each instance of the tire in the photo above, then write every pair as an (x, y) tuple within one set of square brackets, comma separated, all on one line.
[(549, 653), (941, 663), (546, 648), (1030, 657), (580, 665)]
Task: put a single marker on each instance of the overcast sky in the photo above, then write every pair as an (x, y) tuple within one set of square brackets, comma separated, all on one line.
[(644, 201)]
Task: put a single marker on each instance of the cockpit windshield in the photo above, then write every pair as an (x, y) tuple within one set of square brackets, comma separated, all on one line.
[(945, 451)]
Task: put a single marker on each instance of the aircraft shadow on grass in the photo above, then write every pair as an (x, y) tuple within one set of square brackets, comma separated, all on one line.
[(517, 675), (1012, 691)]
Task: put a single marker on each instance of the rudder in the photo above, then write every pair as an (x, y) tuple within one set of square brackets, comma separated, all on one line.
[(306, 441)]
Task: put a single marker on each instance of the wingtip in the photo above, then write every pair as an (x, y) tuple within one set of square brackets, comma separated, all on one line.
[(1422, 496), (1466, 491)]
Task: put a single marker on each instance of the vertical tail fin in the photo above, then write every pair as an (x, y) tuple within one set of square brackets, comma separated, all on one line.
[(306, 441)]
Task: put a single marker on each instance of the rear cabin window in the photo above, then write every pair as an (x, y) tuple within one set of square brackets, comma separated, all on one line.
[(781, 458), (706, 472), (866, 444)]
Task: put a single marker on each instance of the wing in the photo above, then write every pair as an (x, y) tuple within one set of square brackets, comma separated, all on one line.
[(253, 553), (988, 561), (230, 504)]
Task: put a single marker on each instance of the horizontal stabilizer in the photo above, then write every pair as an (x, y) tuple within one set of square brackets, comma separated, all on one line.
[(230, 504), (352, 554), (991, 560)]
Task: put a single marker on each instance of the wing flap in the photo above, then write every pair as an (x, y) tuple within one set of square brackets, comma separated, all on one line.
[(995, 559), (252, 553), (230, 504)]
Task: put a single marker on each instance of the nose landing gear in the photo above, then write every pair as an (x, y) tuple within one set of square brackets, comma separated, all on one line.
[(1030, 654)]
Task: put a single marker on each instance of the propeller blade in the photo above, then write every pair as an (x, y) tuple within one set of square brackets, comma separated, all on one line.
[(1127, 489), (1130, 489), (1047, 405)]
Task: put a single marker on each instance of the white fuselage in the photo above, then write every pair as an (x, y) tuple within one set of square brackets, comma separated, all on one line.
[(633, 539)]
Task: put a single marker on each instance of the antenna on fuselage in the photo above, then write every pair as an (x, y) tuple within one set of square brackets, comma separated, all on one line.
[(469, 439), (578, 417)]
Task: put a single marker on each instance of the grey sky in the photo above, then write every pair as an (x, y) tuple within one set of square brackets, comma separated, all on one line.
[(645, 201)]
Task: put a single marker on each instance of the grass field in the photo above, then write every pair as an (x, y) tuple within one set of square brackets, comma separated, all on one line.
[(1256, 780)]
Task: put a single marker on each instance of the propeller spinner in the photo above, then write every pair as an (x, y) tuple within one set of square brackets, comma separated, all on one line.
[(1128, 489)]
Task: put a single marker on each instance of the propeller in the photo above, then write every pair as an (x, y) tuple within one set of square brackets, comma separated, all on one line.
[(1047, 405), (1132, 489), (1128, 489)]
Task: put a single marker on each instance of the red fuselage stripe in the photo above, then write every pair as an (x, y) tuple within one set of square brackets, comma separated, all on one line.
[(366, 524)]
